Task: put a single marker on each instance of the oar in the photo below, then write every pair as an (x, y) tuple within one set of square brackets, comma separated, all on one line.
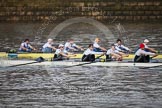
[(149, 67), (38, 60), (79, 64), (41, 59), (99, 56), (84, 63), (24, 64)]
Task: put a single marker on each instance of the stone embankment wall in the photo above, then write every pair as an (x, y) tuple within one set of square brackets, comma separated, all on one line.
[(122, 10)]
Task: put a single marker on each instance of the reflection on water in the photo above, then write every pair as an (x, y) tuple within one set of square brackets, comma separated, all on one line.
[(85, 86)]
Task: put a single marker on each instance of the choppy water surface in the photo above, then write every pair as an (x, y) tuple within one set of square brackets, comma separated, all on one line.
[(51, 87)]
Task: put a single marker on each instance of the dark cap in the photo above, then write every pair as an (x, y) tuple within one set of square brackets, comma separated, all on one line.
[(90, 45), (118, 40), (112, 44), (26, 40)]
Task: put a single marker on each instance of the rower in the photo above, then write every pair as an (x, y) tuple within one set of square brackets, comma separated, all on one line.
[(71, 46), (89, 54), (61, 54), (148, 49), (113, 54), (97, 47), (120, 47), (47, 47), (26, 47), (141, 54)]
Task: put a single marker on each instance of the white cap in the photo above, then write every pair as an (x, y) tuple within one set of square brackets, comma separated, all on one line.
[(50, 40), (61, 45), (146, 40)]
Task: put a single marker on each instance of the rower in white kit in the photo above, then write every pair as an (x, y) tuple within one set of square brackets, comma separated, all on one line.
[(148, 49), (97, 47), (71, 46), (61, 54), (124, 51), (47, 47), (141, 54), (26, 47), (113, 54)]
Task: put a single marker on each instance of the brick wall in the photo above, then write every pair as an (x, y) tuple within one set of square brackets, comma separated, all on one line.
[(105, 10)]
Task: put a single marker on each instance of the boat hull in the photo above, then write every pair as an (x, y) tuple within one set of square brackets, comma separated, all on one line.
[(6, 63), (49, 55)]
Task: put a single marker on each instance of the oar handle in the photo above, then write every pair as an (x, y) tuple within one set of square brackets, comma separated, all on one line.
[(158, 52), (99, 56)]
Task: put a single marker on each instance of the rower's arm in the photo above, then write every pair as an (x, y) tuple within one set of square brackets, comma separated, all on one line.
[(68, 54), (152, 50), (50, 46), (53, 48), (95, 45), (114, 54), (23, 47), (148, 53), (151, 54), (71, 48), (99, 53), (102, 48), (125, 47), (123, 54), (32, 47), (117, 48), (79, 47), (63, 54)]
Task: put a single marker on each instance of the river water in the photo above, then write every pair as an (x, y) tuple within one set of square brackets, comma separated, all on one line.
[(82, 86), (12, 34)]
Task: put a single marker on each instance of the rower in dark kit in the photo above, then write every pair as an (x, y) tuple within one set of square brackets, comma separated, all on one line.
[(141, 54), (89, 54)]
